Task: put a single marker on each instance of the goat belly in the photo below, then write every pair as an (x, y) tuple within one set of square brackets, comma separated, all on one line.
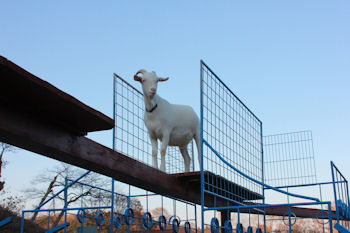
[(180, 138)]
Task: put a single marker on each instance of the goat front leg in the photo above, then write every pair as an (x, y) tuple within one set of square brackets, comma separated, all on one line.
[(154, 142), (165, 142)]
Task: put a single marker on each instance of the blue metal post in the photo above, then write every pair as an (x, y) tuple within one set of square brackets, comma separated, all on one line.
[(65, 205), (238, 222), (330, 217), (112, 205), (290, 219), (347, 200), (201, 119), (113, 141), (129, 207), (22, 222), (262, 171), (195, 216), (334, 190)]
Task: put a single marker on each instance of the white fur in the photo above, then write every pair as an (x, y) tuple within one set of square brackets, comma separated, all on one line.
[(174, 125)]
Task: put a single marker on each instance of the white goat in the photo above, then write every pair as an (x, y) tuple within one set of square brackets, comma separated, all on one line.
[(174, 125)]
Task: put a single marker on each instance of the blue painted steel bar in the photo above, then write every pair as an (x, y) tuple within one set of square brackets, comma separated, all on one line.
[(195, 218), (268, 205), (99, 188), (65, 204), (202, 165), (70, 184), (22, 222), (289, 219), (339, 171), (306, 185), (340, 228), (112, 206), (334, 190), (238, 222), (68, 209), (262, 172), (347, 194), (6, 221), (330, 219), (254, 180), (113, 141), (297, 218), (128, 205), (58, 228), (341, 196)]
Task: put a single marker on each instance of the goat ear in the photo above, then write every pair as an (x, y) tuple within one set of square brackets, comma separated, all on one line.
[(137, 78), (162, 79)]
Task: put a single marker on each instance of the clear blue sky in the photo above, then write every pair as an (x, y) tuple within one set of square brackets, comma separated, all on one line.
[(289, 61)]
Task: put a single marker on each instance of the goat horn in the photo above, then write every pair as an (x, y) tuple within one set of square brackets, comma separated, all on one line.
[(141, 72)]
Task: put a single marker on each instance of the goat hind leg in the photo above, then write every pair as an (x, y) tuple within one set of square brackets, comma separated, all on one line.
[(187, 158), (165, 141)]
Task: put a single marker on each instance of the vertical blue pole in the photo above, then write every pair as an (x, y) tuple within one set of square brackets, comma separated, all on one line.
[(82, 227), (22, 222), (335, 192), (113, 146), (129, 207), (330, 217), (195, 216), (262, 171), (201, 122), (290, 219), (347, 200), (65, 205), (238, 222), (112, 205)]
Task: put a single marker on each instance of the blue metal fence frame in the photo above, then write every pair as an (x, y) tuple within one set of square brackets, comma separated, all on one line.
[(264, 186), (341, 197)]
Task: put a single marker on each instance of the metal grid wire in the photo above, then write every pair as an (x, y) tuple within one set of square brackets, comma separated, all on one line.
[(341, 196), (235, 133), (289, 159), (131, 136)]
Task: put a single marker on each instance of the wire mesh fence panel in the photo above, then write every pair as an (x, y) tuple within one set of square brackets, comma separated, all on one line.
[(232, 137), (131, 136), (341, 197), (289, 159)]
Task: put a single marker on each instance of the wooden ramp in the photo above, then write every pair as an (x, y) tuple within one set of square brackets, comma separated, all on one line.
[(38, 117)]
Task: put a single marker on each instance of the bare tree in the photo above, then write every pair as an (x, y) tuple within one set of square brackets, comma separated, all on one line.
[(56, 178), (78, 194), (4, 148), (161, 211)]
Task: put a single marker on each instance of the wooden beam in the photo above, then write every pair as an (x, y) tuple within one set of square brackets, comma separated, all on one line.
[(26, 132), (24, 91)]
